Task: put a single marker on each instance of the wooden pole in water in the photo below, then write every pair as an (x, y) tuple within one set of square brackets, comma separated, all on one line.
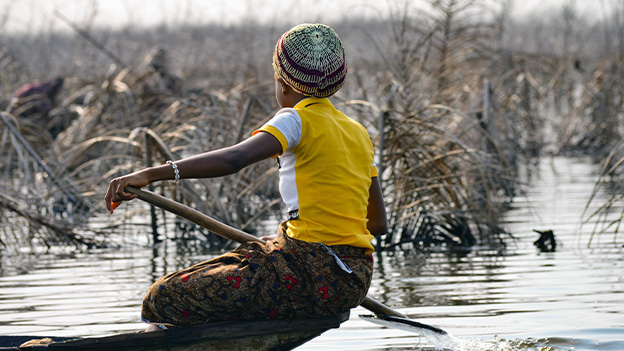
[(148, 163), (380, 147), (194, 216), (243, 120)]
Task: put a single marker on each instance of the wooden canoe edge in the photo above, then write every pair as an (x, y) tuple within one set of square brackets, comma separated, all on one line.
[(299, 331)]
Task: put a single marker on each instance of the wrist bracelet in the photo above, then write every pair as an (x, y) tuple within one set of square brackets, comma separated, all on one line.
[(175, 170)]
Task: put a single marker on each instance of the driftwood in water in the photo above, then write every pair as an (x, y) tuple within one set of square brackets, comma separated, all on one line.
[(546, 241)]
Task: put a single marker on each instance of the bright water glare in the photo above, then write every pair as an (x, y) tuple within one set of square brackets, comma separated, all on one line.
[(516, 299)]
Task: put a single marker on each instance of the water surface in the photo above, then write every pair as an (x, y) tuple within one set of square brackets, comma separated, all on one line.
[(516, 299)]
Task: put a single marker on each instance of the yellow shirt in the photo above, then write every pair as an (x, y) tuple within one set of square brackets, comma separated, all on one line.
[(325, 172)]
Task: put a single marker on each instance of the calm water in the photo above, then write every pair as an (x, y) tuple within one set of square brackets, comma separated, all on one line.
[(520, 299)]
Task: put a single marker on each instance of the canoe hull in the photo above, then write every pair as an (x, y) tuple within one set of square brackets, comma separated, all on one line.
[(239, 335)]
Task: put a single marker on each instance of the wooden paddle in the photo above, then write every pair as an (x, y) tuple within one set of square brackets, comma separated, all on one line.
[(381, 311)]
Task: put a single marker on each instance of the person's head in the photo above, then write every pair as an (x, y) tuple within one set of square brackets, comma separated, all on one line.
[(310, 60), (157, 58), (54, 86)]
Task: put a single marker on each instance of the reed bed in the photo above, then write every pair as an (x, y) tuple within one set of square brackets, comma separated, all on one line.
[(451, 106), (603, 103), (589, 94), (445, 136)]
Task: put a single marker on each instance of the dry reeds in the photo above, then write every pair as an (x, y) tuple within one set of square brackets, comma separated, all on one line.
[(603, 105), (135, 129), (37, 204), (130, 119), (593, 119), (446, 171), (451, 105)]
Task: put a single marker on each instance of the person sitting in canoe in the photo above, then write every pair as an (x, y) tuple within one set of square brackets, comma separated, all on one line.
[(320, 262)]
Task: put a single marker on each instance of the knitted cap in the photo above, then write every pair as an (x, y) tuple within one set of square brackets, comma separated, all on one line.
[(311, 60)]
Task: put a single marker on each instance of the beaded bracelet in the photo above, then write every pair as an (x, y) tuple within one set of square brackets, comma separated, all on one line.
[(175, 170)]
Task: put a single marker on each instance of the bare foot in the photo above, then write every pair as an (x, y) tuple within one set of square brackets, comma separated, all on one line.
[(151, 328), (34, 342)]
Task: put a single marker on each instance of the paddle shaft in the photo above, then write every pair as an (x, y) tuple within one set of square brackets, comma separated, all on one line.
[(193, 215), (231, 233)]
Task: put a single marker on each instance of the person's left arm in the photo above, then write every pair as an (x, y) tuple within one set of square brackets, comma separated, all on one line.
[(376, 211)]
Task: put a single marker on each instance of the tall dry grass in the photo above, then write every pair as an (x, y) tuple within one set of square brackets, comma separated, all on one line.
[(451, 103), (591, 98), (447, 169), (603, 107)]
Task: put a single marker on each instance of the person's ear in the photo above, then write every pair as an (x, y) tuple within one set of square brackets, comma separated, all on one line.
[(285, 87)]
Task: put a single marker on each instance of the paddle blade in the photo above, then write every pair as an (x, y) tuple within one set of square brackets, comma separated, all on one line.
[(401, 323)]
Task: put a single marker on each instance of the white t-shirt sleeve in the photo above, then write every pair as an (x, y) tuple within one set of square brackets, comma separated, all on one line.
[(288, 122)]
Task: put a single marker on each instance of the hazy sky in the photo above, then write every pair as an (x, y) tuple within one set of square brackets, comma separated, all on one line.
[(34, 16)]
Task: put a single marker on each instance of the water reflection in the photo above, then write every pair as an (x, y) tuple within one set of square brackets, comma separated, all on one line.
[(416, 278), (518, 299)]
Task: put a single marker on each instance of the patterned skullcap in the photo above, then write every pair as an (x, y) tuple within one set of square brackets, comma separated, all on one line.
[(310, 59)]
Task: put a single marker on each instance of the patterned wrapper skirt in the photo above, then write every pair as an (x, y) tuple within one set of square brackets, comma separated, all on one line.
[(284, 279)]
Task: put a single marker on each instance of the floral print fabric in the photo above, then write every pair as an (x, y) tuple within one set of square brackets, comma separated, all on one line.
[(284, 279)]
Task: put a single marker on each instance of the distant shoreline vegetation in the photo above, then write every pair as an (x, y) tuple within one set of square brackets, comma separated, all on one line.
[(113, 15)]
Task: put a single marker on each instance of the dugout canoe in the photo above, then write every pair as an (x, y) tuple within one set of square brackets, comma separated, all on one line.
[(238, 335)]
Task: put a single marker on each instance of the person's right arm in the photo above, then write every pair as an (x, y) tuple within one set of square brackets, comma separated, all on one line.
[(210, 164)]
